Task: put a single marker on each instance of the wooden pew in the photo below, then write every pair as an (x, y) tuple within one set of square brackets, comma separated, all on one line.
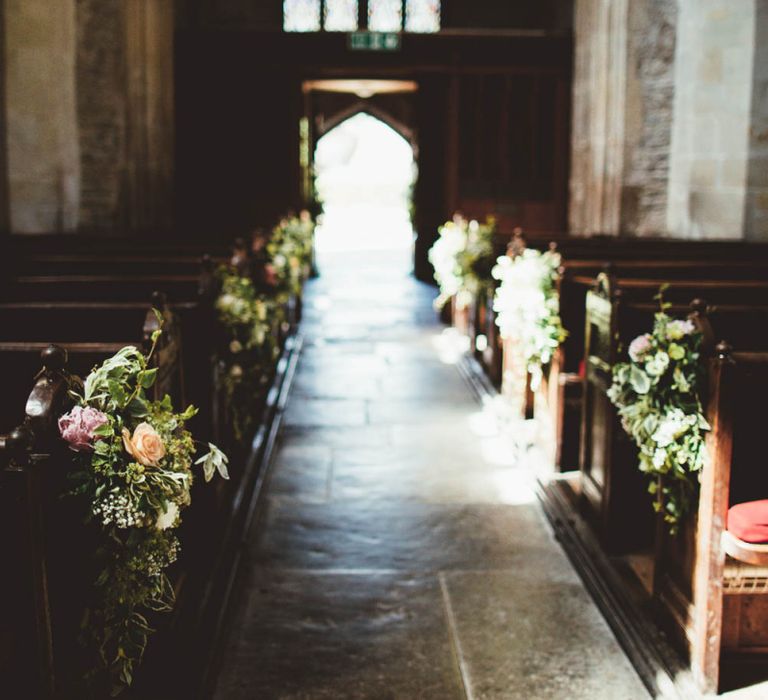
[(610, 482), (566, 381), (583, 259), (710, 587), (53, 549)]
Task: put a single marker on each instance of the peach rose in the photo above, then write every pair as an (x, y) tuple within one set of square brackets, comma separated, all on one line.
[(145, 445)]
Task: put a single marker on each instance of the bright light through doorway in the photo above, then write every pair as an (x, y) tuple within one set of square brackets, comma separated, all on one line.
[(364, 176)]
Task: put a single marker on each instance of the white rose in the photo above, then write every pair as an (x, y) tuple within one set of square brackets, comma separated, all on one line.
[(168, 519), (225, 301)]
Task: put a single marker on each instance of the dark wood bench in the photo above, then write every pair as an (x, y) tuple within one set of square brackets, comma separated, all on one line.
[(711, 588), (610, 482)]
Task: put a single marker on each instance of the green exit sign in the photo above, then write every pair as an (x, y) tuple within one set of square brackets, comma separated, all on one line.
[(374, 41)]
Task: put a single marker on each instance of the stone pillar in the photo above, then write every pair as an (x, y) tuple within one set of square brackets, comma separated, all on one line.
[(5, 212), (125, 106), (622, 102), (717, 145), (756, 210), (149, 57), (43, 165)]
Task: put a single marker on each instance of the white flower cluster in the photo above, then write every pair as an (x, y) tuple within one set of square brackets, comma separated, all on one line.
[(443, 256), (118, 508), (526, 304), (234, 306)]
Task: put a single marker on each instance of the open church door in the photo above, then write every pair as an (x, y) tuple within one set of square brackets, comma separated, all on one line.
[(333, 105)]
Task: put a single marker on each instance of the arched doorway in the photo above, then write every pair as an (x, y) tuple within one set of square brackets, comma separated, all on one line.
[(364, 176)]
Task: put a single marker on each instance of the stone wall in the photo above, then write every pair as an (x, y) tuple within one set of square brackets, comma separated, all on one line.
[(43, 164), (649, 102), (88, 108), (101, 109), (622, 107), (756, 209), (670, 118), (710, 144)]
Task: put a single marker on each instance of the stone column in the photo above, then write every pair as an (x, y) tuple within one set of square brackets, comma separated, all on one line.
[(125, 106), (756, 210), (5, 212), (149, 91), (43, 165), (622, 100), (717, 149)]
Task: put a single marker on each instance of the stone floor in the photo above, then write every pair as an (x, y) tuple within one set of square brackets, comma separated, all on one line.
[(402, 553)]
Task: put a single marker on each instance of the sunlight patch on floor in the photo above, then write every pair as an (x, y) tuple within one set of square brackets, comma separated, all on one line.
[(451, 346)]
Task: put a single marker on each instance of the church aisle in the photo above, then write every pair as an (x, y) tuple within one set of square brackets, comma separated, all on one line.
[(398, 554)]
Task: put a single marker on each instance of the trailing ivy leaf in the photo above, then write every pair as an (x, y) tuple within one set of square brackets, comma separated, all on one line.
[(188, 413), (138, 408), (105, 430), (215, 460), (148, 377), (639, 380)]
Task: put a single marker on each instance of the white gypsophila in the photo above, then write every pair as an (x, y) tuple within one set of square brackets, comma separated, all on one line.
[(154, 564), (659, 458), (117, 508)]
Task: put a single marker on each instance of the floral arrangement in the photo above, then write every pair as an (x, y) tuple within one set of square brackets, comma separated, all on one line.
[(658, 397), (135, 461), (462, 258), (527, 304), (290, 251), (443, 256), (249, 320)]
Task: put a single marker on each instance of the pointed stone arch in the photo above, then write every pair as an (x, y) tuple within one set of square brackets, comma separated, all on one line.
[(365, 107)]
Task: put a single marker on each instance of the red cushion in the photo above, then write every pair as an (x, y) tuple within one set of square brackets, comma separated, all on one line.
[(749, 521)]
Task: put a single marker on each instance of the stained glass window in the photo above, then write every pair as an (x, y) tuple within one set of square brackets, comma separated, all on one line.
[(301, 15), (422, 16), (385, 15), (341, 15)]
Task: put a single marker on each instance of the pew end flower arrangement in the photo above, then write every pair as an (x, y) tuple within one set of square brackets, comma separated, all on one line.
[(290, 251), (135, 464), (462, 258), (527, 305), (251, 347), (658, 397)]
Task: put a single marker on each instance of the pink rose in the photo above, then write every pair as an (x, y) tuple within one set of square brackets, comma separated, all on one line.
[(78, 426), (270, 275), (145, 445), (639, 347)]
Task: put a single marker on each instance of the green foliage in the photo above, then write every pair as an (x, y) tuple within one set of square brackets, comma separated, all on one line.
[(251, 322), (290, 251), (136, 498), (658, 397)]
